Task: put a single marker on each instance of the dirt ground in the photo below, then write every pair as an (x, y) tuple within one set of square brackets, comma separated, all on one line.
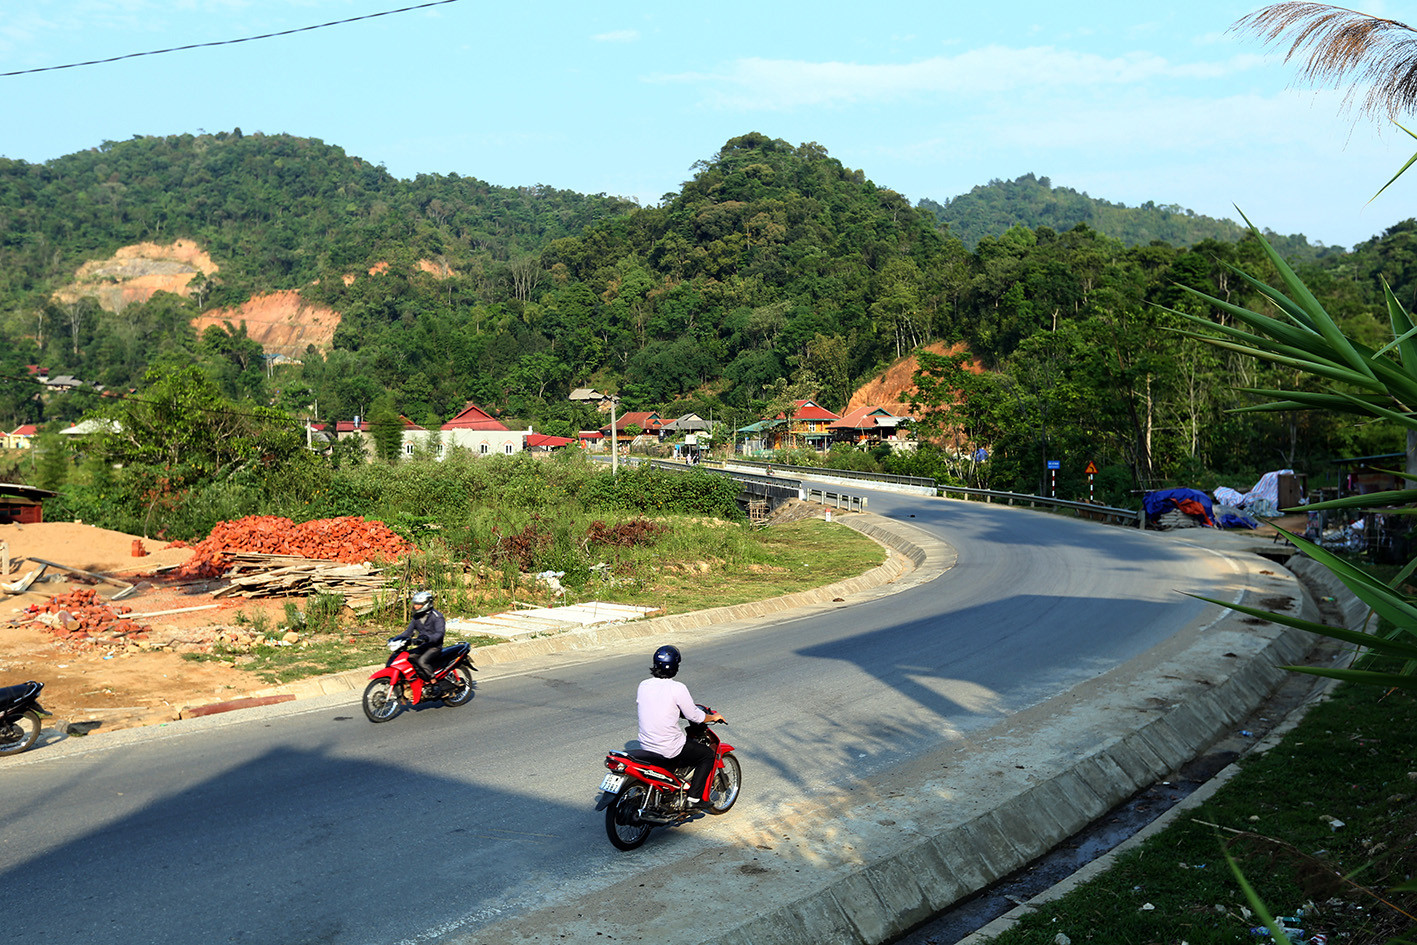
[(108, 686)]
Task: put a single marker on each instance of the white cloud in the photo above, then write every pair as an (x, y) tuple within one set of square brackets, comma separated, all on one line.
[(617, 36), (775, 84)]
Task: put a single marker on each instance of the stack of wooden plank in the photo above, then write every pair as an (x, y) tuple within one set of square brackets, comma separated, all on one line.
[(254, 574)]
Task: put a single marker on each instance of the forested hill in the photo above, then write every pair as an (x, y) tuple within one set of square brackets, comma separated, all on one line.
[(991, 209), (275, 211), (775, 273)]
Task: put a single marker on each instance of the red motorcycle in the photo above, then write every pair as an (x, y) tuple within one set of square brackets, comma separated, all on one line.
[(398, 684), (640, 794)]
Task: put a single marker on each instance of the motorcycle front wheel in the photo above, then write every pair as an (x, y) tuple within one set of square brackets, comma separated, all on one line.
[(380, 701), (622, 818), (459, 679), (19, 734), (723, 790)]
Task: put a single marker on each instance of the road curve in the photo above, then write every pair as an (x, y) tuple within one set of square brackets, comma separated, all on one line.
[(308, 824)]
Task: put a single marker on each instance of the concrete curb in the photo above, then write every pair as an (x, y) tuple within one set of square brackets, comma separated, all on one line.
[(1318, 579), (914, 557), (987, 820)]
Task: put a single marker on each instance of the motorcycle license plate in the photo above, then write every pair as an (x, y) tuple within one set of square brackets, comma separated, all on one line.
[(613, 782)]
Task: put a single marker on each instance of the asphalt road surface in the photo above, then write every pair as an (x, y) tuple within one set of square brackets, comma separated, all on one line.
[(304, 823)]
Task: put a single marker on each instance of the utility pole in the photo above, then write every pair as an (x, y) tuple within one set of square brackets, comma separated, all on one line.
[(614, 441)]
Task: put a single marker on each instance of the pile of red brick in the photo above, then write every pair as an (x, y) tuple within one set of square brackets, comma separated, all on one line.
[(82, 617), (348, 539)]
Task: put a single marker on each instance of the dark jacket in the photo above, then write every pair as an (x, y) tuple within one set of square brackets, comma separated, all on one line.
[(425, 630)]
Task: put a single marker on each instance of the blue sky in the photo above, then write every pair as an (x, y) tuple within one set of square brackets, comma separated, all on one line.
[(1128, 102)]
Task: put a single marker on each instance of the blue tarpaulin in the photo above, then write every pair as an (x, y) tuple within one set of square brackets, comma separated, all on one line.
[(1165, 500)]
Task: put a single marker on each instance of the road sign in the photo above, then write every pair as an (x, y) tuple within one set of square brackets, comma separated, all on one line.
[(1055, 464), (1091, 469)]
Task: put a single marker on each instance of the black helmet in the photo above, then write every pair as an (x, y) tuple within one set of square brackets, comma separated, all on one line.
[(666, 662), (422, 601)]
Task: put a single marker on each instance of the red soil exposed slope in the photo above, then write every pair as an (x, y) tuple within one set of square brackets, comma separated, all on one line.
[(281, 322)]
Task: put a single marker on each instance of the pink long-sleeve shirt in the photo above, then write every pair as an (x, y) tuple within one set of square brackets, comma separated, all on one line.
[(661, 702)]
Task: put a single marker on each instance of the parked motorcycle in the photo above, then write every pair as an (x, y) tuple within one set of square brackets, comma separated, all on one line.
[(20, 714), (640, 794), (398, 684)]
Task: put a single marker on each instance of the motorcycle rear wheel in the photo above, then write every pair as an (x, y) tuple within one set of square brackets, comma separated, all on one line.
[(19, 734), (380, 701), (622, 823), (459, 679), (723, 790)]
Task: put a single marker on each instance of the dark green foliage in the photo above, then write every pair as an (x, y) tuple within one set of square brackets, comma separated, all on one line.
[(775, 271), (1033, 202)]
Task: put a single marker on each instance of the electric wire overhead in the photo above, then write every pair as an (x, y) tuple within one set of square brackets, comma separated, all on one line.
[(230, 42)]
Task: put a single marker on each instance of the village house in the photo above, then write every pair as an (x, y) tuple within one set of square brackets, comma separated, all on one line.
[(21, 438), (585, 395), (472, 429), (869, 426), (806, 426), (646, 421)]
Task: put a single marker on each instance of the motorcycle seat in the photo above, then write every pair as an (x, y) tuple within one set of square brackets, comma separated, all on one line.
[(13, 694), (449, 654)]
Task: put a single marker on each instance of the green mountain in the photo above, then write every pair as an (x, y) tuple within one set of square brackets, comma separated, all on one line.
[(991, 209), (775, 272)]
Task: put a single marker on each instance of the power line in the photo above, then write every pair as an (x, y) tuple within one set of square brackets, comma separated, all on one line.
[(230, 42)]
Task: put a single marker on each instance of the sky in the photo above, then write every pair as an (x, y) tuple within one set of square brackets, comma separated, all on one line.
[(1129, 102)]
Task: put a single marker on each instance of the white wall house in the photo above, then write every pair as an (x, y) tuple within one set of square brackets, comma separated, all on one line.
[(477, 442)]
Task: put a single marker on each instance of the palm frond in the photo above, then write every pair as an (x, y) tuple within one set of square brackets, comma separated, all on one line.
[(1337, 45)]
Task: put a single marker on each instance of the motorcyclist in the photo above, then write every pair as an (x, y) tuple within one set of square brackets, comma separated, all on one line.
[(661, 700), (424, 633)]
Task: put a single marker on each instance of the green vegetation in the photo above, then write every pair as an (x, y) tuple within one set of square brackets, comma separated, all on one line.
[(1032, 202), (1348, 761), (677, 564), (775, 270)]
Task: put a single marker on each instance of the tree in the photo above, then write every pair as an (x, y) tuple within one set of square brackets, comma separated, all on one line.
[(180, 423), (387, 429)]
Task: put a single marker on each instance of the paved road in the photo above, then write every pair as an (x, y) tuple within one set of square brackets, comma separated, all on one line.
[(308, 824)]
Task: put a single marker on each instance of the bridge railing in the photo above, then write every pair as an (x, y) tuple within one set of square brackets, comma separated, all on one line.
[(829, 473), (1101, 513), (773, 485), (835, 500)]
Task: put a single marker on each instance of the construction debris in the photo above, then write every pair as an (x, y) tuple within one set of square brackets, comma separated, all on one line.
[(349, 539), (125, 589), (81, 618), (270, 575)]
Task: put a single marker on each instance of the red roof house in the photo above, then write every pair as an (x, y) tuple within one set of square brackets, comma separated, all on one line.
[(646, 420), (473, 417), (809, 424), (544, 441), (867, 425)]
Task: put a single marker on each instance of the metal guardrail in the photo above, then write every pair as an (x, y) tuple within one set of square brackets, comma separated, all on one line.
[(775, 485), (1103, 513), (826, 471), (835, 500)]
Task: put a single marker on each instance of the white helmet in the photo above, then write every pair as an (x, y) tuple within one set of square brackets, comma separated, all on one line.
[(422, 601)]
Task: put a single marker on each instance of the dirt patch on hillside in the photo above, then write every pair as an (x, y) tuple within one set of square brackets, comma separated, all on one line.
[(135, 273), (280, 322), (894, 388)]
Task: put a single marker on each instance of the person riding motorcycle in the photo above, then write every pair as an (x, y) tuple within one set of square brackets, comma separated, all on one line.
[(661, 700), (424, 633)]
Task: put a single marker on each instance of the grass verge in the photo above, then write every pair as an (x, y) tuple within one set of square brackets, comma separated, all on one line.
[(699, 564), (1324, 822)]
